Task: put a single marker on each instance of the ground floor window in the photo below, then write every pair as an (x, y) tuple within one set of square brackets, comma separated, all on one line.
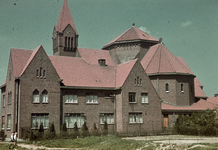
[(3, 122), (135, 118), (70, 120), (37, 119), (9, 121), (108, 117)]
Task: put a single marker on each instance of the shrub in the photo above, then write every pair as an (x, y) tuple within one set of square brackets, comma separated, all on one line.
[(85, 130), (52, 131), (94, 130), (40, 131), (63, 133), (105, 129), (75, 133)]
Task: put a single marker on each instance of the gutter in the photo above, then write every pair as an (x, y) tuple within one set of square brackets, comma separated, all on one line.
[(91, 88)]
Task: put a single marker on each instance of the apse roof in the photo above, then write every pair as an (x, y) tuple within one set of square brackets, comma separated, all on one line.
[(159, 60), (131, 34)]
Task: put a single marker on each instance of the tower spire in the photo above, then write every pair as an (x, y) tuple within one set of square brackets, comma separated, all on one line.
[(65, 18)]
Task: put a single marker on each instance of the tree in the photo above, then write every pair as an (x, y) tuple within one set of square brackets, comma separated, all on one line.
[(94, 130), (52, 131), (64, 133), (85, 130), (105, 129), (41, 131)]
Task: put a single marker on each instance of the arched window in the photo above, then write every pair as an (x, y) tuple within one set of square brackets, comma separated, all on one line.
[(167, 87), (45, 96), (36, 96), (182, 88)]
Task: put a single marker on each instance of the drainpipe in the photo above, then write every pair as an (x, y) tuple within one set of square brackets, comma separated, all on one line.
[(115, 112), (16, 105)]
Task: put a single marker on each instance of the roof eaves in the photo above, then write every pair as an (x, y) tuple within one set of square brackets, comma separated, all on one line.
[(92, 88), (174, 73)]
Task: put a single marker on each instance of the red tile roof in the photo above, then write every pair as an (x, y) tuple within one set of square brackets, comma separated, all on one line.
[(213, 100), (200, 105), (132, 33), (198, 90), (65, 18), (159, 59), (93, 55), (19, 60)]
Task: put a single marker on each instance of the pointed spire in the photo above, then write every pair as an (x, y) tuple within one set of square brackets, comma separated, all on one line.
[(65, 18)]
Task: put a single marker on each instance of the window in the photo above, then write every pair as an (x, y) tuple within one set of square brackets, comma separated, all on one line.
[(72, 42), (40, 73), (135, 118), (3, 100), (9, 97), (9, 121), (44, 73), (167, 87), (70, 120), (36, 96), (144, 97), (37, 72), (109, 118), (45, 96), (37, 119), (91, 98), (3, 122), (182, 88), (132, 97), (71, 98)]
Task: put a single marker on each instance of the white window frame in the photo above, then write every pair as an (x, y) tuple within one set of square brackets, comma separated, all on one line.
[(71, 98), (144, 98), (92, 99), (135, 118), (70, 120), (8, 121), (108, 117), (40, 118), (35, 98)]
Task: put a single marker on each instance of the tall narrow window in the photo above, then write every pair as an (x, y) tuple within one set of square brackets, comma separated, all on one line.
[(138, 80), (182, 88), (40, 72), (71, 43), (65, 44), (9, 121), (37, 72), (167, 87), (3, 122), (9, 97), (68, 43), (44, 73), (71, 119), (45, 96), (135, 81), (144, 98), (132, 97), (37, 119), (36, 96), (3, 100)]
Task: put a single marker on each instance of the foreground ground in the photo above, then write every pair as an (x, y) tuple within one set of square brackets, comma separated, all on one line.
[(169, 142)]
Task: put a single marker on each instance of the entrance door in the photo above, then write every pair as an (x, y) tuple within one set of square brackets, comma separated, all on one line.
[(166, 122)]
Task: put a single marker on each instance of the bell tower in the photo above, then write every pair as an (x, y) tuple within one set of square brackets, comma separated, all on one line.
[(65, 36)]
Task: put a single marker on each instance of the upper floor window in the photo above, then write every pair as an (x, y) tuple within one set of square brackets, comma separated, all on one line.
[(135, 118), (71, 119), (45, 96), (36, 96), (70, 98), (144, 97), (9, 121), (182, 87), (9, 97), (3, 122), (167, 87), (91, 98), (37, 119), (109, 118), (132, 97), (3, 100)]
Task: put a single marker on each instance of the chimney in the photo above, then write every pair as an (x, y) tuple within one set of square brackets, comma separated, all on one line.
[(215, 95), (102, 62)]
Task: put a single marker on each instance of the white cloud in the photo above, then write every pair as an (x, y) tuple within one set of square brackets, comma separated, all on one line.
[(185, 24), (145, 29)]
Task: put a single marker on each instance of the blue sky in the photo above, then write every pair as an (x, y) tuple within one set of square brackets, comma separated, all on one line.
[(189, 28)]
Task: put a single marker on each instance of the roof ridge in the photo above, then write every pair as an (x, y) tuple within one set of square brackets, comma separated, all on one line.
[(123, 34)]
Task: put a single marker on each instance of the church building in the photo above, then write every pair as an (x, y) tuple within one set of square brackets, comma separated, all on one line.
[(134, 83)]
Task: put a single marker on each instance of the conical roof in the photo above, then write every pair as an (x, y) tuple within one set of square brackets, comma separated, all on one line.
[(159, 60), (65, 18), (132, 33)]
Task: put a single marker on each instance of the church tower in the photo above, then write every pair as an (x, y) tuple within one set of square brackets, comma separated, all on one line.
[(65, 36)]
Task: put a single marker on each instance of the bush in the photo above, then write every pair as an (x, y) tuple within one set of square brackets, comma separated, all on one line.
[(105, 129), (63, 133), (75, 132), (41, 131), (52, 131), (85, 130), (94, 130)]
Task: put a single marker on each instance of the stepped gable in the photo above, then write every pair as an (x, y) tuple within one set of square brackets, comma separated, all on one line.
[(159, 60), (93, 55), (65, 19), (200, 105), (78, 72), (131, 34), (122, 72), (19, 58)]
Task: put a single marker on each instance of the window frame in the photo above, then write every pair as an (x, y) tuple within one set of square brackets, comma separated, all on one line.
[(3, 122), (9, 122), (105, 117), (182, 87), (132, 95), (134, 120), (39, 117), (69, 119), (45, 95), (146, 98), (36, 95), (67, 99), (3, 100), (90, 100), (167, 87)]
